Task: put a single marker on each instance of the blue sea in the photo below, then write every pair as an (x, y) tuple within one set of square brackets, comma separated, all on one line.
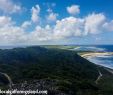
[(96, 48), (104, 60)]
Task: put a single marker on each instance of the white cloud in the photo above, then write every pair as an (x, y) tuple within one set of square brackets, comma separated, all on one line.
[(11, 35), (63, 29), (68, 27), (7, 6), (94, 23), (5, 21), (26, 24), (35, 13), (52, 16), (108, 26), (40, 34), (73, 10)]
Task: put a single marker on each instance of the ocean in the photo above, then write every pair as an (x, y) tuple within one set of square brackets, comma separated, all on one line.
[(104, 60)]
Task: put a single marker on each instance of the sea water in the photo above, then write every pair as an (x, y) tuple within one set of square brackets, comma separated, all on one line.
[(104, 60)]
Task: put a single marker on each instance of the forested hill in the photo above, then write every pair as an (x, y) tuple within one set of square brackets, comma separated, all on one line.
[(71, 73), (54, 60)]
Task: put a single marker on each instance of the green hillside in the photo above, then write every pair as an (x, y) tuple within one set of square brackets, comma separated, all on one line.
[(66, 71)]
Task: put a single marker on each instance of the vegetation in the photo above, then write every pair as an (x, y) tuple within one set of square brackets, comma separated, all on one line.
[(73, 74)]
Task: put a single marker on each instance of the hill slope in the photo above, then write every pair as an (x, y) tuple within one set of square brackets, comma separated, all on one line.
[(66, 71)]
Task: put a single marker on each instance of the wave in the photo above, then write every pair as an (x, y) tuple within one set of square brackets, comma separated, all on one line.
[(106, 61), (89, 48)]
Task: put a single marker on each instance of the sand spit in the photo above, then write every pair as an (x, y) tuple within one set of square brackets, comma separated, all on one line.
[(94, 54)]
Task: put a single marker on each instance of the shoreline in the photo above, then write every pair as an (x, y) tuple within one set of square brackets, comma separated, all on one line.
[(90, 55), (94, 54)]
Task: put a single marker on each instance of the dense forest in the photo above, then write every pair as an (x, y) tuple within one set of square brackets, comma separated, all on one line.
[(65, 70)]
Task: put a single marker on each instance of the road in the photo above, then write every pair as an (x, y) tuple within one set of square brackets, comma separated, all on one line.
[(99, 77), (8, 78)]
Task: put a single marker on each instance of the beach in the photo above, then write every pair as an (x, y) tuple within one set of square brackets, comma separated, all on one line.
[(91, 55)]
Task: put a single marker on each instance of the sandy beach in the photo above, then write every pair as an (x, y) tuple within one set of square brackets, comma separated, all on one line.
[(94, 54)]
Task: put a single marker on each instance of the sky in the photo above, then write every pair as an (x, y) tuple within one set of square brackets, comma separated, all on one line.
[(55, 22)]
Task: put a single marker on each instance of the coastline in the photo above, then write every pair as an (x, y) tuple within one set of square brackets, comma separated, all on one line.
[(95, 54)]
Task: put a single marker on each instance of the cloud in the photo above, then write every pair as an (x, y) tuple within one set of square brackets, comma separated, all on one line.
[(49, 4), (40, 34), (76, 27), (65, 28), (49, 10), (5, 21), (94, 23), (8, 6), (35, 13), (108, 26), (52, 16), (68, 27), (26, 24), (12, 35), (61, 29), (73, 10)]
